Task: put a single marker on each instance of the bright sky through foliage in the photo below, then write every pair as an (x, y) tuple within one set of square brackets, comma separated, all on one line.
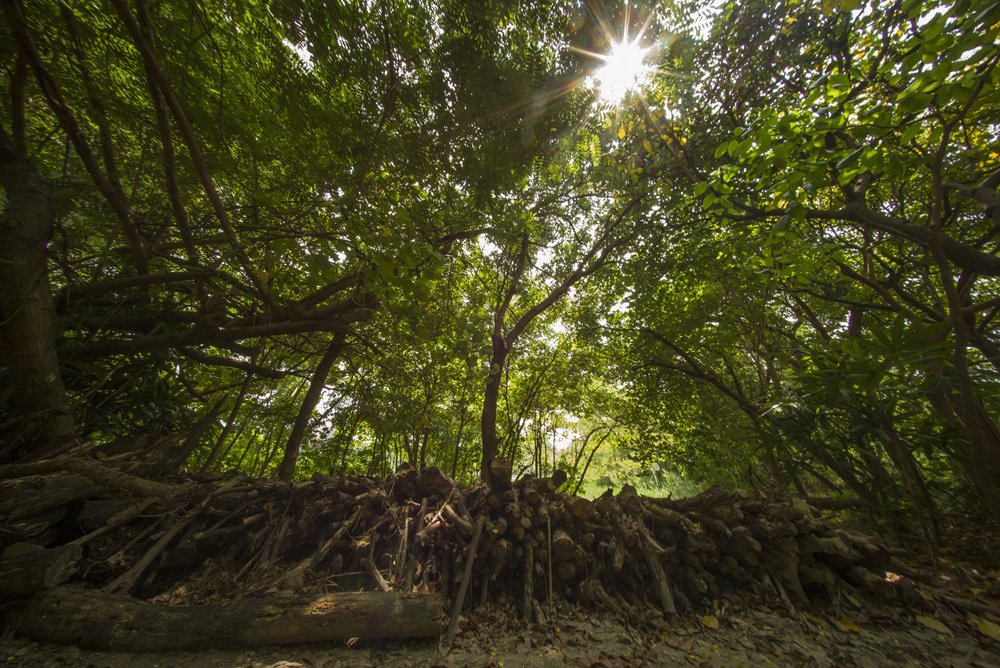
[(624, 70)]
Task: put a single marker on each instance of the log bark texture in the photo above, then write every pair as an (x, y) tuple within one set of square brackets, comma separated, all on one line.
[(26, 568), (98, 620), (27, 312)]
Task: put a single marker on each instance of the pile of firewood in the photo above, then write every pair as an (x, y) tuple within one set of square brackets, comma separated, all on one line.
[(417, 536)]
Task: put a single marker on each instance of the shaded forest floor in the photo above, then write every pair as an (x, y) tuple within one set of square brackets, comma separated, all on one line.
[(747, 635)]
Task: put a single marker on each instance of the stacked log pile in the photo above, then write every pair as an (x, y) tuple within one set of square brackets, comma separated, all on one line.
[(200, 540)]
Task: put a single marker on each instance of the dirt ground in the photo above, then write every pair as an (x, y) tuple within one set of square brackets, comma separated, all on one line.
[(735, 635)]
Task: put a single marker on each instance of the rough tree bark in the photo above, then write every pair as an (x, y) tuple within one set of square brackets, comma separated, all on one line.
[(498, 360), (27, 312), (491, 441), (26, 568)]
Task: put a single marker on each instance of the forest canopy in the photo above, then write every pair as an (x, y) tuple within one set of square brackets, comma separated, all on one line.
[(331, 236)]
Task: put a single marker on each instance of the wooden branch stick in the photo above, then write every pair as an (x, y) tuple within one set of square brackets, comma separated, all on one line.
[(125, 581), (418, 525), (403, 539), (456, 520), (376, 574), (529, 581), (100, 473), (118, 520), (368, 563), (437, 515), (462, 588), (297, 572), (548, 530), (650, 551)]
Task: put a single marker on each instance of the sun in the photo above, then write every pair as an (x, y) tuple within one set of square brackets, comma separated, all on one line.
[(624, 70)]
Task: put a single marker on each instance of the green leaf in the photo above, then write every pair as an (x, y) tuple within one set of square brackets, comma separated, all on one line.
[(933, 624), (988, 628), (911, 131)]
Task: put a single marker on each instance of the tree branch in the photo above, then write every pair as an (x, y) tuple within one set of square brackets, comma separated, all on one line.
[(71, 127), (159, 79)]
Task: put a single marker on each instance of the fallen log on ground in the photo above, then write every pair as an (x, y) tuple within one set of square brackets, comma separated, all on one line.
[(98, 620), (26, 568)]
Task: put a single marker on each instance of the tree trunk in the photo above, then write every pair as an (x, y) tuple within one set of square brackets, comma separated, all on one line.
[(595, 258), (100, 620), (217, 450), (423, 449), (491, 442), (984, 453), (287, 468), (461, 430), (27, 312)]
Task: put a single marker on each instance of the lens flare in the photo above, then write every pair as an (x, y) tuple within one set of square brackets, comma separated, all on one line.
[(624, 70)]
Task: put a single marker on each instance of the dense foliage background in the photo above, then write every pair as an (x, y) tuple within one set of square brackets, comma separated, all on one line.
[(309, 235)]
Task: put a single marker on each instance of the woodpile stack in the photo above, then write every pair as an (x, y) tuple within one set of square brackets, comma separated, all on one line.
[(205, 541)]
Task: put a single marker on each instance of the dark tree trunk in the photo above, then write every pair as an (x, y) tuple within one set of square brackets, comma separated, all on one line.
[(491, 441), (287, 468), (27, 312), (423, 449), (595, 258)]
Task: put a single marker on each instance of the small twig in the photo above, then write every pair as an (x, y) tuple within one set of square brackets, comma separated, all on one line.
[(651, 551), (376, 575), (125, 581), (401, 555), (262, 557), (118, 520), (440, 510), (464, 586), (368, 564), (529, 581), (408, 573), (484, 591), (273, 551), (317, 557), (784, 596)]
